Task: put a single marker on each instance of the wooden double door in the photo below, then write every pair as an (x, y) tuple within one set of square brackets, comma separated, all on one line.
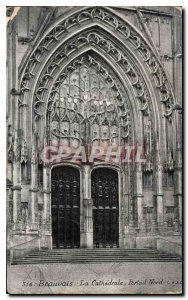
[(65, 207), (104, 193)]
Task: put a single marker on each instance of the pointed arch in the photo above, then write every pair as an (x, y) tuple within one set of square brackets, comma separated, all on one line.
[(121, 40), (111, 19)]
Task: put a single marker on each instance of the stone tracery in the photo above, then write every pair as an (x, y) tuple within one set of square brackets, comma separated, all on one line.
[(93, 39), (85, 96), (123, 28)]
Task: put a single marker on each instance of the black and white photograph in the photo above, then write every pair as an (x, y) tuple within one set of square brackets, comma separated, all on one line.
[(94, 150)]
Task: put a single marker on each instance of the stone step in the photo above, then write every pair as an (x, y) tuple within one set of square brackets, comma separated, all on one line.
[(77, 261), (104, 255), (71, 259), (96, 256), (97, 252), (107, 255), (99, 249)]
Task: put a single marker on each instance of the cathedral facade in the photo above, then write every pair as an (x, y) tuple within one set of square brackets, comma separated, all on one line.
[(94, 128)]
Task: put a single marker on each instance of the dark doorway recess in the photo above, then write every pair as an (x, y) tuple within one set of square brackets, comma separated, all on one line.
[(65, 206), (104, 193)]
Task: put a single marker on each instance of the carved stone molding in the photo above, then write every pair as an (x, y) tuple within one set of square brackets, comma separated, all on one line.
[(133, 74), (87, 103), (16, 150), (34, 157), (169, 165), (10, 144), (119, 25), (24, 152)]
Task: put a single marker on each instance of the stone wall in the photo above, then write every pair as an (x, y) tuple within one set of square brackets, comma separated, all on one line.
[(138, 50)]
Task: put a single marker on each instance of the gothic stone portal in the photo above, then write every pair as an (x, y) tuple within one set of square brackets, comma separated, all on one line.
[(93, 78)]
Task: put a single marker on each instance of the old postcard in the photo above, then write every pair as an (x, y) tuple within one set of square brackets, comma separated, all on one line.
[(94, 150)]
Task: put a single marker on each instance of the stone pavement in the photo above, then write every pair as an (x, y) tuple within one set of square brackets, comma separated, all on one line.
[(103, 278)]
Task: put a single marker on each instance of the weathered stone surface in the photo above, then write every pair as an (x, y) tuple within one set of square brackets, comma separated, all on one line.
[(109, 78)]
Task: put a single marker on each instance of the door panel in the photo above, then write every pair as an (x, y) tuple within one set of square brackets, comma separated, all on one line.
[(104, 192), (65, 199)]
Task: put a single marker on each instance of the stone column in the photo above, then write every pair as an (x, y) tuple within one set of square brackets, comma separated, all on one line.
[(138, 198), (121, 182), (46, 229), (177, 62), (124, 208), (16, 188), (34, 191), (87, 234), (9, 214), (154, 218), (159, 190), (130, 183), (178, 185), (45, 195), (16, 205), (16, 148), (46, 192)]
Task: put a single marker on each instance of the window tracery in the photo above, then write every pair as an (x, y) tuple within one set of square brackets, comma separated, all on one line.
[(88, 108), (142, 97)]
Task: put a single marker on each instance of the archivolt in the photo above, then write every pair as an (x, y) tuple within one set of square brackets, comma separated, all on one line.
[(95, 60), (134, 40), (96, 41), (57, 68)]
